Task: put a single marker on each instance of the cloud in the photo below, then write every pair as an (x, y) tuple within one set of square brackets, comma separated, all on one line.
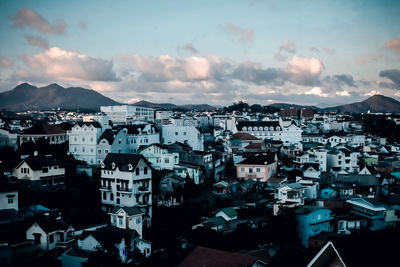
[(300, 71), (244, 35), (304, 71), (58, 64), (37, 41), (393, 45), (372, 93), (82, 25), (370, 58), (316, 91), (393, 75), (29, 18), (314, 49), (342, 93), (288, 46), (5, 62), (342, 79), (166, 68), (190, 48)]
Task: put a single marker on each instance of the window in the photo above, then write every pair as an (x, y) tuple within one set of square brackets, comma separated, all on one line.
[(83, 139), (118, 201), (119, 141), (250, 170), (106, 151), (258, 169), (99, 151), (176, 133), (104, 195), (138, 220), (91, 150), (137, 171), (51, 238), (83, 149), (10, 200), (145, 170), (111, 196), (120, 220), (242, 169), (184, 133), (166, 160)]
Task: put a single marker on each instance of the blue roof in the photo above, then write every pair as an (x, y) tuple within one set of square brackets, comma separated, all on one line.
[(396, 174)]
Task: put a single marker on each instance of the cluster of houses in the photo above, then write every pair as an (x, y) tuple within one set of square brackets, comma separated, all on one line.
[(323, 168)]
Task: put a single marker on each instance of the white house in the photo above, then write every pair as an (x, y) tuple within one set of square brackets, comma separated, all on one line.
[(51, 232), (8, 195), (159, 157), (126, 182), (112, 141), (140, 135), (189, 135), (40, 172), (293, 193), (343, 158), (127, 218), (274, 130), (83, 138)]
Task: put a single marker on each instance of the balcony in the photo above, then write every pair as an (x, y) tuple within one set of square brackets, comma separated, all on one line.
[(105, 188), (124, 189), (143, 189), (67, 243)]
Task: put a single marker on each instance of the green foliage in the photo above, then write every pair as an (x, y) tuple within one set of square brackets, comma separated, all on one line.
[(379, 125)]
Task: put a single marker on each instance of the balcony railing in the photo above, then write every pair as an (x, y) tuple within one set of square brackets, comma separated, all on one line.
[(124, 189), (66, 244), (143, 188), (105, 188)]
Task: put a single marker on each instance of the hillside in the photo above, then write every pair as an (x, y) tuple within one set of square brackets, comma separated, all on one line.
[(376, 103), (26, 96)]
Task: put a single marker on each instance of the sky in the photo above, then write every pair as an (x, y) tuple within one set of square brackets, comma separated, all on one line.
[(215, 52)]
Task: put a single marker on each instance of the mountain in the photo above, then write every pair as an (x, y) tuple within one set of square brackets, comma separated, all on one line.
[(286, 105), (376, 103), (154, 105), (199, 107), (26, 96)]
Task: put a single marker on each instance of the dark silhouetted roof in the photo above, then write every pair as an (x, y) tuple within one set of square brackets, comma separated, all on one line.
[(202, 256), (263, 159), (129, 210), (88, 123), (49, 223), (40, 161), (244, 136), (45, 129), (109, 135), (122, 161)]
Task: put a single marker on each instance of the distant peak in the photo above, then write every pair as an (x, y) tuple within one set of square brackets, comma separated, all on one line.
[(54, 85), (24, 86)]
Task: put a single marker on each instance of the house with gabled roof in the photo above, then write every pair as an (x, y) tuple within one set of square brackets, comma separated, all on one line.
[(126, 182), (258, 167), (127, 218), (51, 232), (40, 172), (159, 157), (54, 133)]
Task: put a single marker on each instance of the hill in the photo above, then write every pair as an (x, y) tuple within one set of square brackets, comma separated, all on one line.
[(29, 97), (376, 103)]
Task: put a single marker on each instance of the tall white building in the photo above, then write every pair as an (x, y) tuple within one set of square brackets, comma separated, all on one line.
[(125, 113), (126, 182)]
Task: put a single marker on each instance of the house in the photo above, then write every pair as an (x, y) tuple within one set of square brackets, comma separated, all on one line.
[(228, 214), (190, 170), (343, 158), (348, 223), (159, 157), (171, 183), (240, 140), (275, 130), (312, 220), (188, 135), (127, 218), (259, 167), (40, 172), (327, 256), (55, 134), (293, 193), (112, 141), (51, 232), (8, 195), (378, 214), (83, 139), (112, 240), (139, 135), (126, 182)]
